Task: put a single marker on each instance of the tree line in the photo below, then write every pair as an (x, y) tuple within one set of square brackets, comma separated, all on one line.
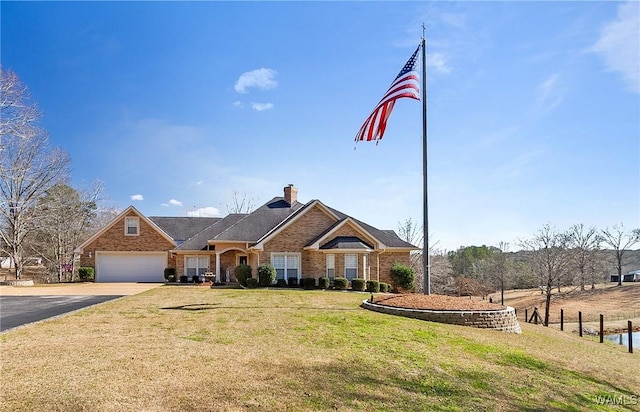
[(551, 259)]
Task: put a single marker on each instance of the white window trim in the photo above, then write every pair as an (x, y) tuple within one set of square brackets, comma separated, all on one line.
[(333, 265), (126, 226), (346, 267), (286, 254), (198, 257)]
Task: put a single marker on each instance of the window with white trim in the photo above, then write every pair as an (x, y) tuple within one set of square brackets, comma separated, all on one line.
[(287, 265), (350, 266), (131, 226), (331, 266), (196, 265)]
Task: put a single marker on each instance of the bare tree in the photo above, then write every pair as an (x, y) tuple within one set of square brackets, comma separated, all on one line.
[(28, 166), (410, 232), (620, 240), (241, 203), (64, 216), (549, 258), (584, 242)]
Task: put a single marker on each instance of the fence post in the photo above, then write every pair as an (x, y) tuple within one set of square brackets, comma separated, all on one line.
[(526, 317), (630, 332), (580, 322), (561, 319), (601, 328)]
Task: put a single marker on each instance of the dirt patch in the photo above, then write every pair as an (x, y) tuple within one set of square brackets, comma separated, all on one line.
[(436, 302)]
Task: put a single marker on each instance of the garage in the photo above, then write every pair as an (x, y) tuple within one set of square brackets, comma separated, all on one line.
[(130, 267)]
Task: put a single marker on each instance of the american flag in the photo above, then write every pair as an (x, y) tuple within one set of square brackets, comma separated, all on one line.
[(406, 84)]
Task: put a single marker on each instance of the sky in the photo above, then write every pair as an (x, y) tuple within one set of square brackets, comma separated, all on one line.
[(533, 108)]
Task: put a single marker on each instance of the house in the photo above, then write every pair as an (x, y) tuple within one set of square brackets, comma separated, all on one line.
[(632, 276), (299, 240)]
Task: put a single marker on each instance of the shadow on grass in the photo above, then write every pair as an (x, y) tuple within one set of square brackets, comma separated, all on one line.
[(214, 306)]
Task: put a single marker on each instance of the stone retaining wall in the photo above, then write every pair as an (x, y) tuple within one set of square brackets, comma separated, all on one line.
[(503, 320)]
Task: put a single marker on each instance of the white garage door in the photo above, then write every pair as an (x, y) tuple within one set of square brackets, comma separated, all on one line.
[(130, 267)]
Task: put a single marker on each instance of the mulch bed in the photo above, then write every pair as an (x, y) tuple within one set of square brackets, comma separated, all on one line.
[(435, 302)]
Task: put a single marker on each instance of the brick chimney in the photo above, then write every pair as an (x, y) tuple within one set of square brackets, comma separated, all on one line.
[(290, 194)]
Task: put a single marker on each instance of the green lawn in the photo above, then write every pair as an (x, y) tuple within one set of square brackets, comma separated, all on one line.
[(198, 349)]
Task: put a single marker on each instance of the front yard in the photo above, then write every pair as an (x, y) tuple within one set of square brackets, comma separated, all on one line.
[(197, 349)]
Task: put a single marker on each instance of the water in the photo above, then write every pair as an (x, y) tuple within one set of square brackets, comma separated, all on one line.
[(623, 338)]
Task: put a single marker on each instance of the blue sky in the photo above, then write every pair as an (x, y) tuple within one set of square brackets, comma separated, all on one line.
[(533, 107)]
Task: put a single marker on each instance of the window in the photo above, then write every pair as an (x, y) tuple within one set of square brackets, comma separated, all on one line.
[(196, 265), (243, 260), (131, 226), (350, 266), (287, 265), (331, 266)]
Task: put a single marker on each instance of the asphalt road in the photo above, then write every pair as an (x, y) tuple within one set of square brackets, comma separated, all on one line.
[(20, 310)]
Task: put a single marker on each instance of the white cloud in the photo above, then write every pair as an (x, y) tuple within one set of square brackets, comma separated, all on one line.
[(438, 62), (137, 197), (208, 211), (238, 104), (172, 202), (263, 79), (619, 44), (262, 106), (550, 92)]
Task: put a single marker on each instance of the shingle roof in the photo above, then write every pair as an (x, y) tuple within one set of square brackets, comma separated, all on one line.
[(199, 241), (182, 228), (346, 242), (260, 222), (388, 237)]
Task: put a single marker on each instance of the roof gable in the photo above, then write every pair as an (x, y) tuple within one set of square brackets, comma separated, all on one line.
[(331, 232), (260, 222), (117, 219)]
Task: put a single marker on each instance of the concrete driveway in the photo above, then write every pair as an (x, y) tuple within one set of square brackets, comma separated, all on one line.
[(22, 305)]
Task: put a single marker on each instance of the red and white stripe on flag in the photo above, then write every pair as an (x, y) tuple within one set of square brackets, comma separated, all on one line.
[(406, 84)]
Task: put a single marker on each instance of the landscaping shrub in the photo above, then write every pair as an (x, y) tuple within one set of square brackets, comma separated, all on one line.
[(184, 279), (402, 276), (281, 283), (242, 273), (384, 287), (86, 273), (170, 274), (266, 275), (252, 283), (195, 279), (324, 282), (373, 286), (308, 283), (358, 284), (292, 282), (340, 283)]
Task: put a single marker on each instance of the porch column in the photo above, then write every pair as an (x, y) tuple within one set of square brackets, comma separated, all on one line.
[(217, 267)]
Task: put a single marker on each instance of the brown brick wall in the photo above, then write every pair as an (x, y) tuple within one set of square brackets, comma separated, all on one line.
[(114, 239)]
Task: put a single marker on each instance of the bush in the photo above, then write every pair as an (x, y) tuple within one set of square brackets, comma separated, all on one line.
[(384, 287), (252, 283), (86, 273), (281, 283), (324, 282), (170, 274), (358, 284), (308, 283), (373, 286), (402, 276), (195, 279), (184, 279), (266, 275), (340, 283), (292, 282), (242, 273)]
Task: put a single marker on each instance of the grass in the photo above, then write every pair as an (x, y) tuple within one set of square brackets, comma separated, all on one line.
[(197, 349)]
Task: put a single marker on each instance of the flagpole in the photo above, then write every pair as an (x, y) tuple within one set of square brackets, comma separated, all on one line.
[(426, 260)]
